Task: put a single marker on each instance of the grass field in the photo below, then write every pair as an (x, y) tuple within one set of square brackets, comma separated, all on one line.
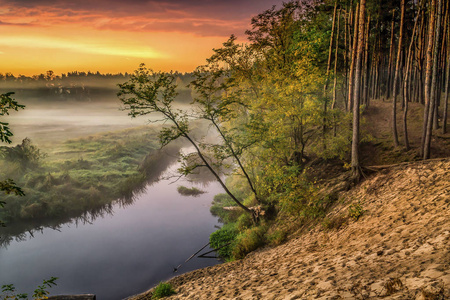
[(82, 156), (76, 175)]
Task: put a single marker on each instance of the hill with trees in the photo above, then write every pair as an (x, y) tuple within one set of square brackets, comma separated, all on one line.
[(322, 95), (278, 116)]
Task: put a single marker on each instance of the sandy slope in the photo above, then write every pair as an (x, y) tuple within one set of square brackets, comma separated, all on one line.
[(399, 248)]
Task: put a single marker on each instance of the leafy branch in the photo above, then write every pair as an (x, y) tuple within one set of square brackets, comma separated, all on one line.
[(148, 92)]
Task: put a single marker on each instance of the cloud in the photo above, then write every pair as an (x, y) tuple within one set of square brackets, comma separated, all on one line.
[(201, 17), (13, 24), (80, 47)]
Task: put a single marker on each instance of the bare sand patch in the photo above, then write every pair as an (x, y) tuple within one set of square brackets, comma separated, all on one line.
[(398, 249)]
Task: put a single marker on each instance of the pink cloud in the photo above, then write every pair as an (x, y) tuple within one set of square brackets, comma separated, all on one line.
[(199, 17)]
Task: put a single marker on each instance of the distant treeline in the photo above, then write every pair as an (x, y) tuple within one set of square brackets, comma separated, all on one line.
[(78, 86)]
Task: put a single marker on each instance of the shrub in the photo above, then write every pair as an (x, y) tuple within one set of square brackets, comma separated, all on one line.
[(244, 222), (163, 290), (249, 241), (26, 154), (220, 238), (41, 292), (277, 237), (355, 210)]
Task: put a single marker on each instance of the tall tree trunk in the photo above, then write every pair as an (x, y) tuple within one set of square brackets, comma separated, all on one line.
[(437, 100), (352, 65), (396, 76), (333, 103), (376, 80), (391, 58), (376, 60), (421, 59), (406, 82), (447, 74), (432, 95), (366, 65), (346, 56), (427, 85), (336, 52), (327, 80), (330, 48), (356, 170)]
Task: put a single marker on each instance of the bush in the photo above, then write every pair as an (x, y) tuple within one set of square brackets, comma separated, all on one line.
[(163, 290), (244, 222), (249, 241), (355, 210), (26, 154), (41, 292), (220, 238), (277, 237)]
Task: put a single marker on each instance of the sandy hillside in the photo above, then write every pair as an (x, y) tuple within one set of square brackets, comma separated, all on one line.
[(398, 249)]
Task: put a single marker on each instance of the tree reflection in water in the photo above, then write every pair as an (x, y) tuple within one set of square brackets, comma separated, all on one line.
[(152, 169)]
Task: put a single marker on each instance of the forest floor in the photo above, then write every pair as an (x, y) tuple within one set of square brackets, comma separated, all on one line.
[(378, 124), (398, 248)]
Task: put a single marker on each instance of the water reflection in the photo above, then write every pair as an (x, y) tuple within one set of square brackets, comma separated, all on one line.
[(114, 257), (152, 169)]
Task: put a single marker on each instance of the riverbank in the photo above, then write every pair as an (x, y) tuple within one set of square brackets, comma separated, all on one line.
[(76, 177), (149, 238), (397, 249)]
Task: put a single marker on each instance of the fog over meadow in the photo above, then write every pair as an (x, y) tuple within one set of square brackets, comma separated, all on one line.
[(72, 105)]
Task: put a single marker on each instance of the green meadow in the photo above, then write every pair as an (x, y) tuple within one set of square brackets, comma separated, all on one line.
[(79, 175)]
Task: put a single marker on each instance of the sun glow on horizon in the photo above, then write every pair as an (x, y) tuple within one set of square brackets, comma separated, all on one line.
[(116, 36), (82, 47), (71, 49)]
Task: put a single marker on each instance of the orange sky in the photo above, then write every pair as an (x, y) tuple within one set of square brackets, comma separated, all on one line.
[(116, 35)]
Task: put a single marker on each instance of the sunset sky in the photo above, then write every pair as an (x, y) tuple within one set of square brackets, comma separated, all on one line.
[(117, 35)]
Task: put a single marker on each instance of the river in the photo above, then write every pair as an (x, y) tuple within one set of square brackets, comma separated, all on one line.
[(119, 254)]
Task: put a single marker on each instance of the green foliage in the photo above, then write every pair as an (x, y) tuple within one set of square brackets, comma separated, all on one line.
[(288, 187), (219, 95), (9, 292), (163, 290), (217, 208), (9, 187), (7, 103), (276, 237), (244, 222), (224, 239), (79, 175), (248, 241), (337, 145), (26, 155), (149, 92), (40, 293), (193, 191), (356, 210)]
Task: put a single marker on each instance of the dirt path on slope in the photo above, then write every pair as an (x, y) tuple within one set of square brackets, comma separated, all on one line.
[(398, 249)]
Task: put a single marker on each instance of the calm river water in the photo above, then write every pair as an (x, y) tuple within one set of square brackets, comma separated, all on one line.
[(120, 254)]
